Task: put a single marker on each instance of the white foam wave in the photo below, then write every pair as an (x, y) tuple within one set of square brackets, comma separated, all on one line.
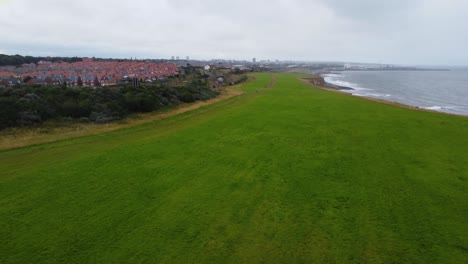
[(333, 75), (345, 84), (438, 107), (372, 95), (435, 107)]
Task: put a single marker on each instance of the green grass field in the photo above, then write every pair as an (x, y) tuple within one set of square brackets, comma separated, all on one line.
[(289, 174)]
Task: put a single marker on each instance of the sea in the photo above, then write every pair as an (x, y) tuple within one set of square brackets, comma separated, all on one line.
[(443, 91)]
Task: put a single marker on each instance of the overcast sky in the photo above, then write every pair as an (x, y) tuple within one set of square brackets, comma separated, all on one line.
[(431, 32)]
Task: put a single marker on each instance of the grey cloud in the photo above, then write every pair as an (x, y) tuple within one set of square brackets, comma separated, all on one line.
[(413, 31), (372, 9)]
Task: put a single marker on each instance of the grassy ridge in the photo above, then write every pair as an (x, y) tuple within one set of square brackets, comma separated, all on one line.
[(285, 174)]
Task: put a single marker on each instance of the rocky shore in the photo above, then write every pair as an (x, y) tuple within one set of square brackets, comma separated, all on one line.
[(320, 81)]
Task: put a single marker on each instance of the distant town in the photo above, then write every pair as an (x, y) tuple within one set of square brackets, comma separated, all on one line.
[(91, 72), (87, 72)]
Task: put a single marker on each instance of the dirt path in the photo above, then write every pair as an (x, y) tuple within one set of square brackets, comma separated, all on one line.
[(272, 82), (12, 138)]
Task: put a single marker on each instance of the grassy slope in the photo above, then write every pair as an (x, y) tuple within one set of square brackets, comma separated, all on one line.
[(288, 174)]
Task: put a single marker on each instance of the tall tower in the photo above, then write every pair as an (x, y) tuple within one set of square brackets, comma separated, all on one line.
[(254, 60)]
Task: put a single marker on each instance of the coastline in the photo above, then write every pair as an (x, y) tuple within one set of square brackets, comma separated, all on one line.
[(338, 87), (341, 89)]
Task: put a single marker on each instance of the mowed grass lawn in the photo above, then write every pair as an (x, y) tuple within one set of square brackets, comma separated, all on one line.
[(288, 174)]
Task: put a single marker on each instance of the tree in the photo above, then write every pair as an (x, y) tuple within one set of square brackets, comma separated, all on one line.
[(27, 79), (96, 82), (8, 111), (79, 81)]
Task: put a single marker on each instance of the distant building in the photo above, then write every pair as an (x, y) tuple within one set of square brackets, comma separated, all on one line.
[(207, 67), (240, 67), (87, 73), (254, 60), (177, 58), (188, 58)]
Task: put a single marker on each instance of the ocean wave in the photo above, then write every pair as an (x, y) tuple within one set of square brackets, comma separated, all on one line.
[(437, 107), (332, 75), (345, 84), (372, 94), (437, 91)]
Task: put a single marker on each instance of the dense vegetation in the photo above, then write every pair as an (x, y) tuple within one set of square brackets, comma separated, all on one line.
[(288, 174), (28, 105), (18, 60)]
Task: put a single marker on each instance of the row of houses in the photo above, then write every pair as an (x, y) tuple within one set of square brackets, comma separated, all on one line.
[(86, 73)]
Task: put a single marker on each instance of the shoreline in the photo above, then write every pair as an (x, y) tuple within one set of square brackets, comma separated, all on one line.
[(338, 87), (341, 89)]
